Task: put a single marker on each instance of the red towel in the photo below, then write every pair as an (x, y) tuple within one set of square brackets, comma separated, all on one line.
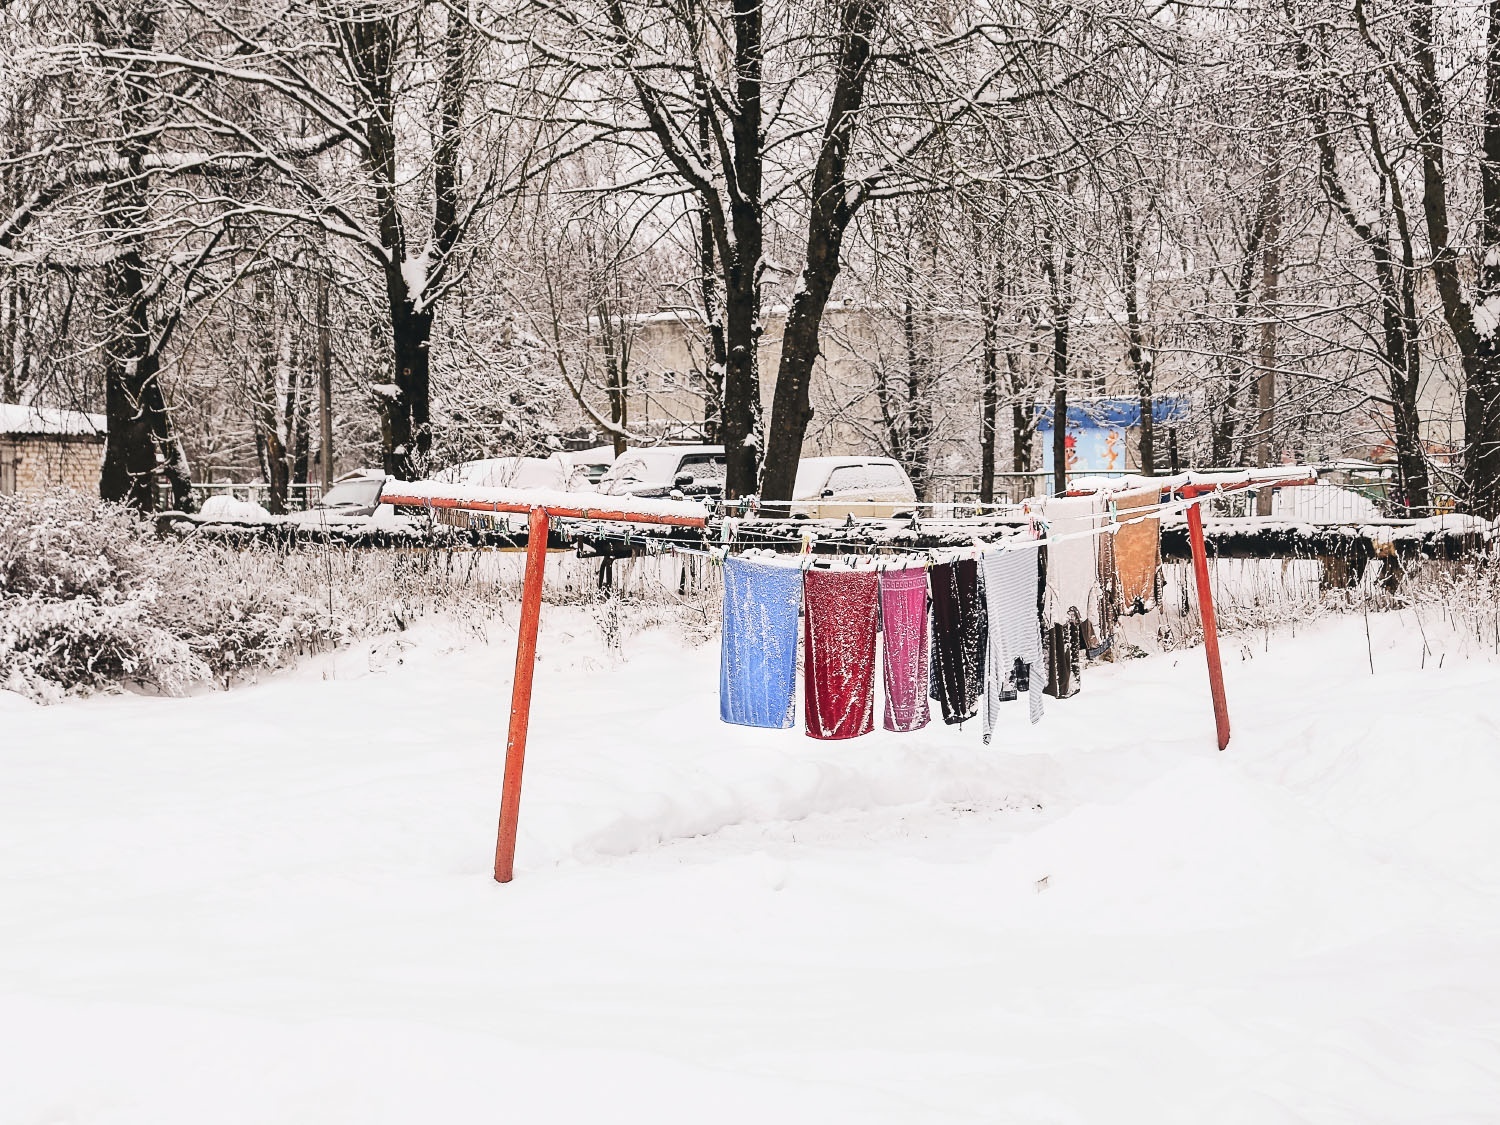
[(839, 627)]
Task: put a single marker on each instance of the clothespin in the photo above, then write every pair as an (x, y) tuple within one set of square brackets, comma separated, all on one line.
[(807, 541)]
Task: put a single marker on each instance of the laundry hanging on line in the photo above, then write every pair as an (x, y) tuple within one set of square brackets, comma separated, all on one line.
[(840, 621), (758, 651), (1072, 559), (1137, 550), (904, 647), (959, 629), (1014, 654), (992, 629)]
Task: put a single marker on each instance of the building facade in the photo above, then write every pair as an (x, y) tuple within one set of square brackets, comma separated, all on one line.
[(42, 449)]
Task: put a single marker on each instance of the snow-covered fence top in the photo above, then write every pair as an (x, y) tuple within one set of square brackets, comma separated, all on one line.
[(567, 505)]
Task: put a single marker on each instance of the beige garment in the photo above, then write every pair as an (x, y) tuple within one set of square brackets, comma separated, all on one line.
[(1072, 562), (1137, 550)]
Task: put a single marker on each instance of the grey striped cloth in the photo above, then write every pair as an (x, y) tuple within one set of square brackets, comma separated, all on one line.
[(1010, 586)]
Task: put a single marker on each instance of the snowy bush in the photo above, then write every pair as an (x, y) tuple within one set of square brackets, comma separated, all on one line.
[(65, 546), (90, 599), (49, 647)]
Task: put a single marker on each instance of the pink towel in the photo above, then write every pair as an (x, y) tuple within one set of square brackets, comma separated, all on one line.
[(903, 613)]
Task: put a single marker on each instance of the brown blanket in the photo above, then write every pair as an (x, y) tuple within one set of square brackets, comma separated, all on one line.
[(1137, 551)]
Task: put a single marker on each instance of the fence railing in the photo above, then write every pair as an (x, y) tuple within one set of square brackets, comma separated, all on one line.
[(299, 497)]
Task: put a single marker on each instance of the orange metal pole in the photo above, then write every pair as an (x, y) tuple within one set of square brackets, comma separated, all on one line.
[(520, 695), (1210, 623), (407, 500)]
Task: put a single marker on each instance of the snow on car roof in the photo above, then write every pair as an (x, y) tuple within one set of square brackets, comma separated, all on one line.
[(599, 455)]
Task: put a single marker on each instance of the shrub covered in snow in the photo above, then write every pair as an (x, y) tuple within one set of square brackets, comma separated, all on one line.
[(90, 599)]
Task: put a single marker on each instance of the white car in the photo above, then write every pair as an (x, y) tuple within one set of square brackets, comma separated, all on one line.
[(835, 487), (594, 462), (695, 470), (557, 473), (354, 497)]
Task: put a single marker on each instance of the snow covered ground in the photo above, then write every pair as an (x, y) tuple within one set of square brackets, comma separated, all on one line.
[(274, 904)]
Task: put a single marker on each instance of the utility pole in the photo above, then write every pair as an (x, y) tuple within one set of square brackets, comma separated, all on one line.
[(325, 384), (1270, 284)]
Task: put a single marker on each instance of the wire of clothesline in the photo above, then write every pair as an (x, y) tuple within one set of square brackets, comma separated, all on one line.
[(930, 555)]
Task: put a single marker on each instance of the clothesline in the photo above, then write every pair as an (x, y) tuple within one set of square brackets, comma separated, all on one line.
[(964, 632), (936, 555), (929, 555), (1240, 479)]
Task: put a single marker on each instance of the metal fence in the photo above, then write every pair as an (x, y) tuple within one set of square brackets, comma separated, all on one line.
[(299, 497)]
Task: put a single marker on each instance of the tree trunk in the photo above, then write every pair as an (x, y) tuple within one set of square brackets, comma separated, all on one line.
[(613, 342), (1265, 390), (136, 414), (1223, 429), (14, 342), (918, 334), (989, 397), (1023, 418), (742, 410), (325, 385), (791, 409), (1060, 411), (1478, 345), (1060, 283), (405, 420), (727, 179), (716, 357), (740, 256), (1482, 402), (299, 414), (829, 215), (1140, 361), (268, 421)]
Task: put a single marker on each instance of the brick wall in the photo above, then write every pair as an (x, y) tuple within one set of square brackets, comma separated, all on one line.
[(32, 464)]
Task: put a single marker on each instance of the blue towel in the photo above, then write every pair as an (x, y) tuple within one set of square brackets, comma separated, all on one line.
[(758, 657)]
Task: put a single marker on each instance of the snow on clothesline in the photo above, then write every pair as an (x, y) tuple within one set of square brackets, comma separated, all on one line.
[(928, 556), (936, 555), (1227, 480), (1204, 485), (483, 498)]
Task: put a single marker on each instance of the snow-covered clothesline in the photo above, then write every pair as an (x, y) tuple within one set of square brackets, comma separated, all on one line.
[(993, 624)]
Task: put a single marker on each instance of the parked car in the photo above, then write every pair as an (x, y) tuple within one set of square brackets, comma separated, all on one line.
[(353, 494), (594, 462), (557, 472), (693, 470), (835, 487)]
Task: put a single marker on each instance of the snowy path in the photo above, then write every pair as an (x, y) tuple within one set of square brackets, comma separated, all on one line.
[(274, 904)]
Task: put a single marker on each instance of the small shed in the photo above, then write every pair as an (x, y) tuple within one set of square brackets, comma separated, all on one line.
[(42, 448)]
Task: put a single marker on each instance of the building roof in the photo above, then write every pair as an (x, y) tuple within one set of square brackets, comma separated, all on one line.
[(34, 420)]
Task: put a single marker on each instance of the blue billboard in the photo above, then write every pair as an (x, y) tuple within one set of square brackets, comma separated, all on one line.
[(1098, 430)]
